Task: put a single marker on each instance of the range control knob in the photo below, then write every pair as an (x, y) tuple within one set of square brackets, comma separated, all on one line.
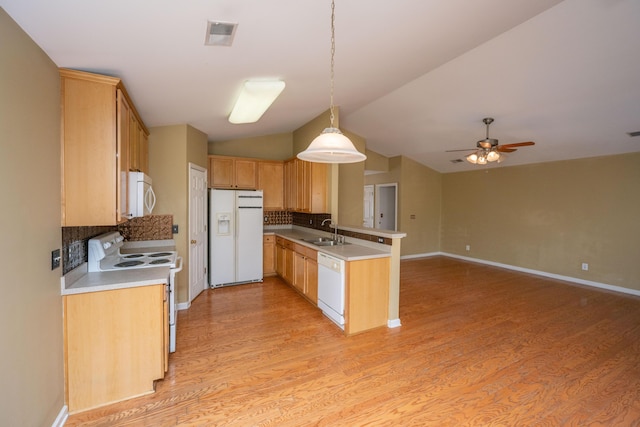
[(106, 245)]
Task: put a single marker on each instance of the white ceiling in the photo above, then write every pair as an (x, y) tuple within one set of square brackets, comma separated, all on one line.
[(413, 77)]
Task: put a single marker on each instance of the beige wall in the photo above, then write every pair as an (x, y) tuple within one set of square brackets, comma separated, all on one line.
[(419, 195), (351, 186), (376, 162), (550, 217), (268, 147), (31, 305), (171, 148)]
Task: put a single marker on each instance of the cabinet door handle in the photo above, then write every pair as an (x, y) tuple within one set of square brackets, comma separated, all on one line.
[(193, 242)]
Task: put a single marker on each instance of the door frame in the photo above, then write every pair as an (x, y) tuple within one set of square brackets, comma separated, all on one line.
[(377, 203), (194, 167)]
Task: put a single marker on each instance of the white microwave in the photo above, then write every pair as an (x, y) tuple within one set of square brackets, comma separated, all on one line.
[(142, 199)]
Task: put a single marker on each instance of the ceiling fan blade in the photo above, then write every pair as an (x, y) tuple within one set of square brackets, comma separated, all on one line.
[(462, 149), (519, 144), (505, 149)]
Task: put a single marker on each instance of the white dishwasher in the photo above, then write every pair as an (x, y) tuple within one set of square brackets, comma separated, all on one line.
[(331, 283)]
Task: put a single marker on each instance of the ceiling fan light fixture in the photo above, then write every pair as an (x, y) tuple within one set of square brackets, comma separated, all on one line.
[(255, 98), (472, 158), (331, 146), (493, 156)]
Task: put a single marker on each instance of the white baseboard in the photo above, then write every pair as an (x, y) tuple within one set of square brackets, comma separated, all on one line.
[(393, 323), (62, 417), (183, 305), (531, 271), (425, 255)]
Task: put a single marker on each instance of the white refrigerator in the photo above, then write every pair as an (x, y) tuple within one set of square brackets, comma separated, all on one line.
[(235, 237)]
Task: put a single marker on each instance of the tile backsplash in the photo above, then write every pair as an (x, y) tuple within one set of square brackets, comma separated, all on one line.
[(277, 218), (75, 239), (150, 227)]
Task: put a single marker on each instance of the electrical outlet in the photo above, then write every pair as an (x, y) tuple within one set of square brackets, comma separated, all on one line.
[(380, 239), (174, 228), (585, 266), (468, 247), (266, 218), (55, 259)]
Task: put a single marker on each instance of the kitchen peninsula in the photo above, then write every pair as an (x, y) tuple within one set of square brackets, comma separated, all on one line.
[(371, 281)]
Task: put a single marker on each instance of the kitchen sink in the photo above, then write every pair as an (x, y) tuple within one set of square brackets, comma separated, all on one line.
[(324, 241)]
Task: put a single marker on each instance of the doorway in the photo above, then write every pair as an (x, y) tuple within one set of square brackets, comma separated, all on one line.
[(386, 206), (197, 230)]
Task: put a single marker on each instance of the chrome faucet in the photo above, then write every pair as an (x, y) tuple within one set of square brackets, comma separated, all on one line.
[(335, 228)]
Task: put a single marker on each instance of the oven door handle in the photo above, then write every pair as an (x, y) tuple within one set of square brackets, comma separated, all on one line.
[(178, 267)]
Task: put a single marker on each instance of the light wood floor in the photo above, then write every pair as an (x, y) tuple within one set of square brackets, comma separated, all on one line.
[(478, 346)]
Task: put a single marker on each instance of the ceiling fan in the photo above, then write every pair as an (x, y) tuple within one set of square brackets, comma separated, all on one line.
[(488, 150)]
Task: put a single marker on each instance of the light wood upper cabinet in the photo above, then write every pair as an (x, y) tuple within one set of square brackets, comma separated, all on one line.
[(233, 173), (305, 186), (138, 146), (124, 113), (293, 185), (94, 148), (271, 181)]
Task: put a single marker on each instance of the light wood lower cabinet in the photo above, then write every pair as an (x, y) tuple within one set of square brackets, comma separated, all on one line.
[(366, 284), (311, 276), (115, 345), (298, 266), (269, 255), (366, 294), (289, 249), (280, 256)]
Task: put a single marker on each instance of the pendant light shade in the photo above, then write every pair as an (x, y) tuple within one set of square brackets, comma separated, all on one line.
[(331, 146)]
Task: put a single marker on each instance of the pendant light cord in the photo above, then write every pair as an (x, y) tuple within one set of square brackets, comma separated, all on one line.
[(333, 51)]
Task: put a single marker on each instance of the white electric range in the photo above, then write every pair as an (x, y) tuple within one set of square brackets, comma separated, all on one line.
[(105, 254)]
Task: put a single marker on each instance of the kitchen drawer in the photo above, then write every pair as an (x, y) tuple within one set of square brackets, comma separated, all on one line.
[(310, 253), (280, 241), (289, 245), (268, 238)]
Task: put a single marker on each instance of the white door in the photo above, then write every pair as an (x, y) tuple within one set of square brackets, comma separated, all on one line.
[(197, 230), (368, 214)]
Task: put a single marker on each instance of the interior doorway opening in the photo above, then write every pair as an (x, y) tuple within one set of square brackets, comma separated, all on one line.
[(381, 206)]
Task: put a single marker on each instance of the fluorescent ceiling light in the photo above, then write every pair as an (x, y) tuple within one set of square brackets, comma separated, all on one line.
[(255, 98)]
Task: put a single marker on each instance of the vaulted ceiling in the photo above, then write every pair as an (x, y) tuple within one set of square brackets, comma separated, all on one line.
[(413, 77)]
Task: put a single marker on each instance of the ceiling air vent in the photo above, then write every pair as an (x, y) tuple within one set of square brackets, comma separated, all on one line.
[(636, 133), (220, 33)]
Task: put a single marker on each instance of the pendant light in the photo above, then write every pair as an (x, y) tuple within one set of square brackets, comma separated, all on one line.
[(331, 146)]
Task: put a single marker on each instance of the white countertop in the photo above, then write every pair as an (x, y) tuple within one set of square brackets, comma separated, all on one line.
[(347, 252), (111, 280)]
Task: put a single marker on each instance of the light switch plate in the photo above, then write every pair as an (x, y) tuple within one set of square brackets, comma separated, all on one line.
[(55, 259), (174, 228)]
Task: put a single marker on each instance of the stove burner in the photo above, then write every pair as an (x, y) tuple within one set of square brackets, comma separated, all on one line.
[(134, 256), (128, 264), (160, 254), (160, 261)]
